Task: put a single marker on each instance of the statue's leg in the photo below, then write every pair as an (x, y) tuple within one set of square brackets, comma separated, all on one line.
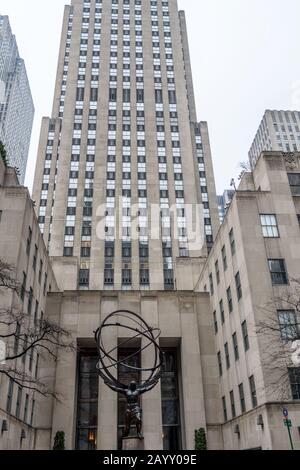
[(139, 428), (126, 431)]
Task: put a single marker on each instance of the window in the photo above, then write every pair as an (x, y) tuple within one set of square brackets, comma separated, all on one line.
[(220, 364), (294, 375), (9, 395), (239, 292), (23, 287), (35, 257), (144, 277), (126, 250), (226, 349), (68, 251), (221, 304), (45, 284), (140, 96), (217, 272), (126, 95), (294, 180), (113, 94), (232, 241), (36, 310), (30, 299), (235, 347), (69, 231), (215, 322), (171, 402), (229, 299), (211, 284), (84, 277), (232, 404), (94, 94), (224, 408), (87, 411), (80, 94), (126, 277), (242, 398), (168, 279), (19, 402), (269, 226), (32, 412), (288, 325), (40, 271), (108, 276), (85, 252), (37, 365), (278, 272), (253, 391), (158, 96), (29, 238), (26, 408), (224, 258), (245, 335)]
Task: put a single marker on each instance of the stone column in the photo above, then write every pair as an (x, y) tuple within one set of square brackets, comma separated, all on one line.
[(108, 399), (151, 401), (192, 385)]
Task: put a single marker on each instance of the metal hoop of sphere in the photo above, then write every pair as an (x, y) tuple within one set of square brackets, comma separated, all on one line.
[(138, 328)]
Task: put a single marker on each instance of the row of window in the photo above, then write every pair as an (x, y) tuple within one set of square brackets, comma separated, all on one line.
[(164, 193), (235, 345), (242, 400), (26, 417)]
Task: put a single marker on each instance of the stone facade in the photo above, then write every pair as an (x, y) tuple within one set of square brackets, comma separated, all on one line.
[(18, 248), (237, 268), (185, 323)]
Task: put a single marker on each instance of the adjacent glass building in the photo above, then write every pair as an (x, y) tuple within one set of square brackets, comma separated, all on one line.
[(16, 104)]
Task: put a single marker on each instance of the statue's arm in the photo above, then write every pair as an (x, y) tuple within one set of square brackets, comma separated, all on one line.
[(150, 386), (114, 387)]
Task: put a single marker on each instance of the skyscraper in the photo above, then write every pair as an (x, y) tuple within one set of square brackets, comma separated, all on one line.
[(16, 104), (123, 138), (278, 131)]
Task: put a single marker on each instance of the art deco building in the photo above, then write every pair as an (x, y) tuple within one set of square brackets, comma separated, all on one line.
[(278, 131), (16, 104), (121, 163), (123, 138), (250, 275)]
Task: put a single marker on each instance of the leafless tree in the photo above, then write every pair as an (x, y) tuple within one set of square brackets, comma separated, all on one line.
[(277, 338), (22, 336)]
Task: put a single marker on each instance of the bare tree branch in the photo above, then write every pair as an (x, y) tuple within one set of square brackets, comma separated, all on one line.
[(7, 277), (276, 339), (24, 337)]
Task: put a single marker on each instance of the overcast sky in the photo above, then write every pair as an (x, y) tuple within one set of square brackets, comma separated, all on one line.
[(245, 59)]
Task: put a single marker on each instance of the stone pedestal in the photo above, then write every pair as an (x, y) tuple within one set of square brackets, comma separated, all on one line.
[(132, 443)]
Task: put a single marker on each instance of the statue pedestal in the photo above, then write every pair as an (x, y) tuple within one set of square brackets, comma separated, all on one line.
[(132, 443)]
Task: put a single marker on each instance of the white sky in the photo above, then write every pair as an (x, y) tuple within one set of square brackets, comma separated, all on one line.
[(245, 59)]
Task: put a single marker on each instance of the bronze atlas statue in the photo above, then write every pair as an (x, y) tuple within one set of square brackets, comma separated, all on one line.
[(108, 364)]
